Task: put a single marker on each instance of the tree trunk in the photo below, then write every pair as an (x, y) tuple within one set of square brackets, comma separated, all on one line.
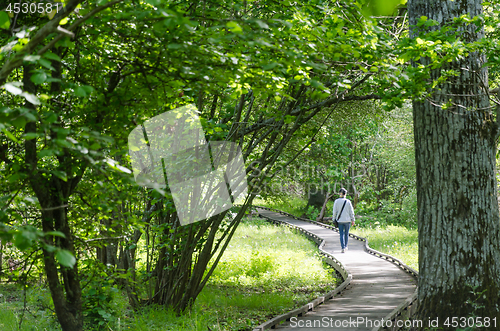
[(53, 195), (1, 258), (64, 282), (182, 265), (323, 209), (455, 151), (315, 195)]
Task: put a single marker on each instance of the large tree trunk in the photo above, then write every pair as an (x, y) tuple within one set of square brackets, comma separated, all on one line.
[(315, 195), (67, 297), (53, 195), (455, 151)]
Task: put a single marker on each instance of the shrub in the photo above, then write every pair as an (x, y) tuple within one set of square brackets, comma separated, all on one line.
[(98, 307)]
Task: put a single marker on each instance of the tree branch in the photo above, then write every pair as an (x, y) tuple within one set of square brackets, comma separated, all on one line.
[(51, 27), (77, 23)]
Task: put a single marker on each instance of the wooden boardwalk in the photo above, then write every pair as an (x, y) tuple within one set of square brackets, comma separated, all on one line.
[(377, 287)]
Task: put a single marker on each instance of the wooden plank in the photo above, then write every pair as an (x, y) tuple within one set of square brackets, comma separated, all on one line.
[(375, 290)]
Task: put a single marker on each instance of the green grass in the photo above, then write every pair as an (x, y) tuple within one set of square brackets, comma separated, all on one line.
[(292, 205), (267, 270), (394, 240), (39, 314)]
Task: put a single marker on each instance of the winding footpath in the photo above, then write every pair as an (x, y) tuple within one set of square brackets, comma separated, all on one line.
[(376, 289)]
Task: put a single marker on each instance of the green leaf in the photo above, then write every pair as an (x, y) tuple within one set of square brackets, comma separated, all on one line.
[(25, 237), (55, 233), (4, 20), (65, 42), (21, 242), (234, 27), (14, 178), (51, 117), (52, 56), (381, 7), (317, 84), (63, 143), (83, 91), (159, 26), (45, 152), (30, 135), (269, 66), (153, 2), (5, 110), (46, 64), (19, 122), (80, 92), (49, 248), (28, 114), (261, 24), (65, 258), (39, 78), (10, 135), (52, 79), (289, 119), (60, 174)]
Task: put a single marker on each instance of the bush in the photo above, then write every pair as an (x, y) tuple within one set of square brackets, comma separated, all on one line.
[(98, 304), (312, 213), (389, 212)]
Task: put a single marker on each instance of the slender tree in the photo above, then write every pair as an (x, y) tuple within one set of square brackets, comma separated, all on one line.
[(455, 147)]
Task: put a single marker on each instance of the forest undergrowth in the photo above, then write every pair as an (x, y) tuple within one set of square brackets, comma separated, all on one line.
[(266, 271)]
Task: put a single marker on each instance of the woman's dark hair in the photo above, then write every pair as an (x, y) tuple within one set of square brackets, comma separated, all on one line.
[(343, 191)]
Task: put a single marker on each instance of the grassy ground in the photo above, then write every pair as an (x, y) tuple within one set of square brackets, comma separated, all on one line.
[(266, 271), (37, 317), (257, 278), (292, 205), (397, 241)]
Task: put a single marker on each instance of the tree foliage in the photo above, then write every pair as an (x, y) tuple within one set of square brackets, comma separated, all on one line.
[(271, 76)]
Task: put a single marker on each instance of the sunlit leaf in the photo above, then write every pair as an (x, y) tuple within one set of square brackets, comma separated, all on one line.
[(4, 20), (12, 88)]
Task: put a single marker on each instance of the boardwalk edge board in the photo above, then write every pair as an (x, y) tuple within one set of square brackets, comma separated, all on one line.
[(404, 311)]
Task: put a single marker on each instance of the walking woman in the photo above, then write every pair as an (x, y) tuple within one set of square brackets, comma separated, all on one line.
[(344, 214)]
